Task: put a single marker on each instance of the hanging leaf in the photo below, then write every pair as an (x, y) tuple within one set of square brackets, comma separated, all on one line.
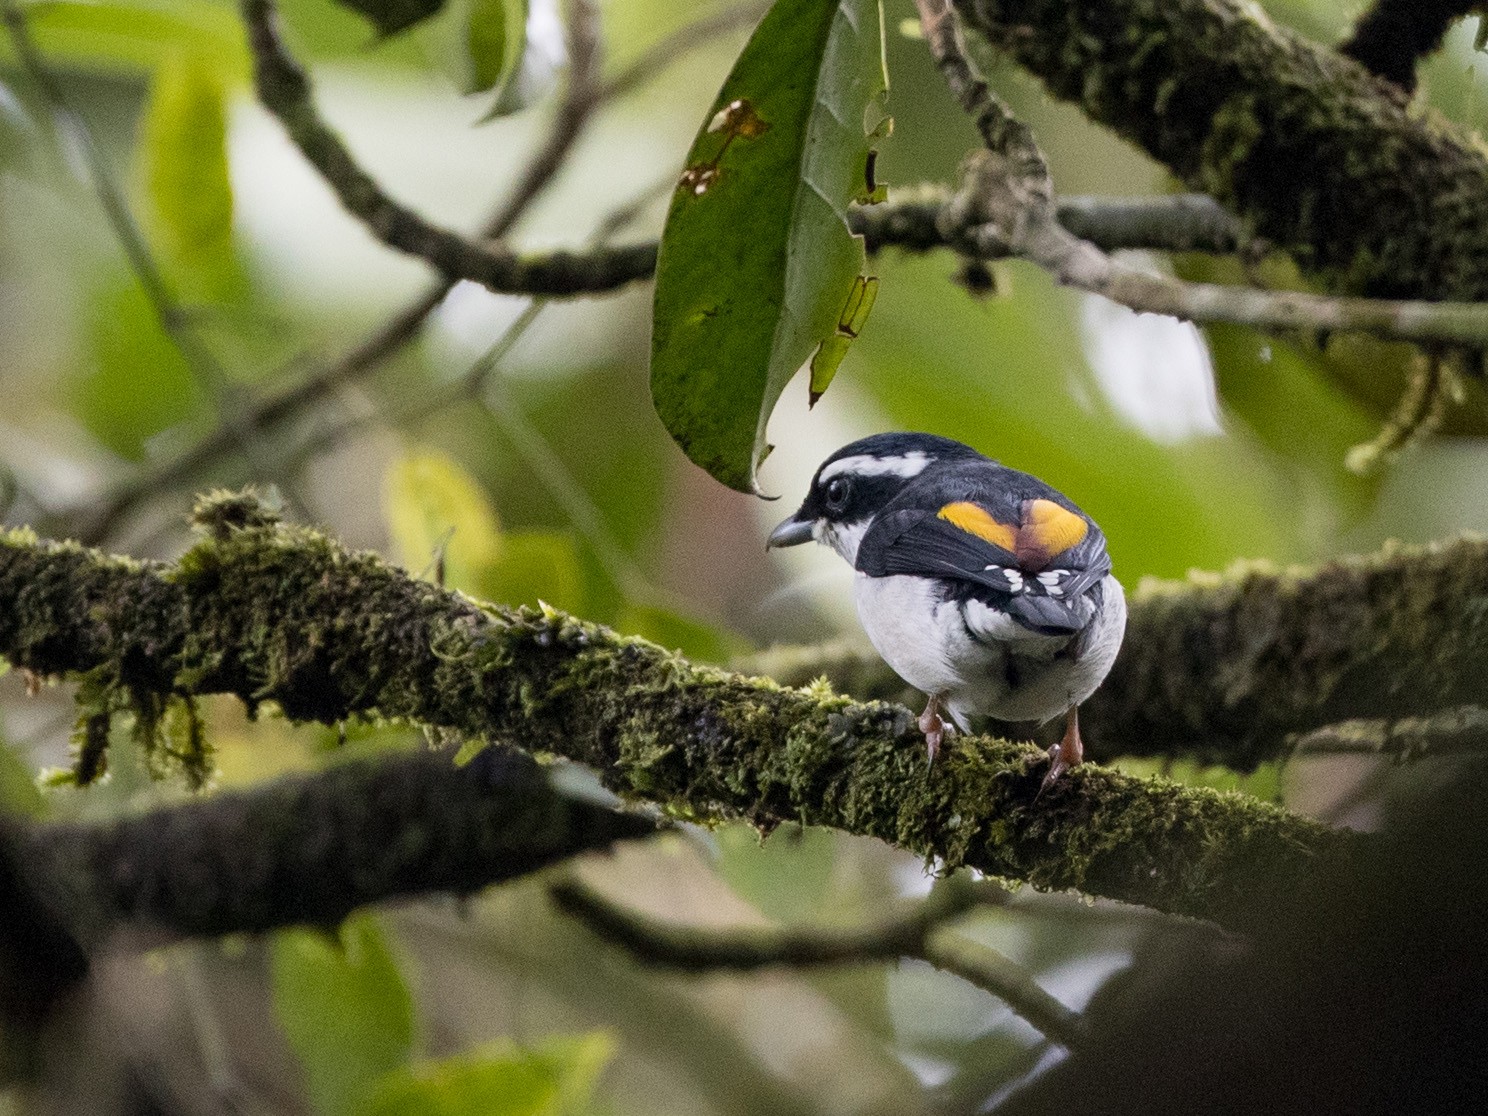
[(18, 792), (442, 525), (555, 1078), (392, 16), (135, 383), (491, 35), (182, 163), (757, 262), (344, 1009)]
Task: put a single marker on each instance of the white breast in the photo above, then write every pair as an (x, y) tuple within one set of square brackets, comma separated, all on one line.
[(982, 662)]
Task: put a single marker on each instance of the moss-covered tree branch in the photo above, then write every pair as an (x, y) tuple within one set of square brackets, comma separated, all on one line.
[(1305, 145), (311, 848), (275, 614), (1227, 668)]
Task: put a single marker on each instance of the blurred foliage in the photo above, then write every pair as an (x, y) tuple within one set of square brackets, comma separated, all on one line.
[(555, 1078), (344, 1009), (565, 487), (183, 168), (18, 792)]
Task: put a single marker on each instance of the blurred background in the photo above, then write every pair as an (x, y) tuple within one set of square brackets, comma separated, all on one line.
[(518, 439)]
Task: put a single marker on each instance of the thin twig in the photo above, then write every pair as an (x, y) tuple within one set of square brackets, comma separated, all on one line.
[(1006, 208), (284, 89), (919, 934), (583, 97)]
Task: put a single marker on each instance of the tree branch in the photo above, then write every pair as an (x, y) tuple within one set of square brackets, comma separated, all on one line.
[(284, 89), (1006, 207), (1306, 146), (277, 614), (1460, 731), (311, 848), (919, 934), (1227, 668), (1392, 36)]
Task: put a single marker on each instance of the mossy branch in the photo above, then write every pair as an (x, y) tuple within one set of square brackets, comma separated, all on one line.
[(1306, 146), (311, 848), (1226, 668), (277, 614)]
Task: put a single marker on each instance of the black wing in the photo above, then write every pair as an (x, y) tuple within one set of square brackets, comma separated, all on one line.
[(996, 556)]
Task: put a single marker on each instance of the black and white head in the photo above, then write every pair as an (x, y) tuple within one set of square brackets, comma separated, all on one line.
[(859, 479)]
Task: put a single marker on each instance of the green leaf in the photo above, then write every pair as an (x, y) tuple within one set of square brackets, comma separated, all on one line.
[(757, 262), (492, 36), (536, 566), (137, 34), (183, 168), (344, 1009), (440, 518), (18, 791), (138, 384), (392, 16), (555, 1078), (681, 633)]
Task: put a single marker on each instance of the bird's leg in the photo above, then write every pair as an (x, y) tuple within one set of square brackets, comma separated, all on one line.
[(932, 726), (1068, 752)]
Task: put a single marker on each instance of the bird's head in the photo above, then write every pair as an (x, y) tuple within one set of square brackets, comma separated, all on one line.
[(856, 482)]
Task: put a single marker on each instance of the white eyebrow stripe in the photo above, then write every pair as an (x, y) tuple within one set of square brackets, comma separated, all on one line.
[(911, 464)]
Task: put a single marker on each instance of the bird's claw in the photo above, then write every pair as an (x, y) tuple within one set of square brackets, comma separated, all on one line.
[(934, 729), (1064, 754), (1058, 765)]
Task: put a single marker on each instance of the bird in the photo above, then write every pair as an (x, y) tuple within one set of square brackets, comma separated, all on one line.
[(980, 585)]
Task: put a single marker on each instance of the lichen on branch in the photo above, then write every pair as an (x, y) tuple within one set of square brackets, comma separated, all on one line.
[(1306, 146), (283, 615)]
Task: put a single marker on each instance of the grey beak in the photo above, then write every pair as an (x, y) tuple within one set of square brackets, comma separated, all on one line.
[(792, 532)]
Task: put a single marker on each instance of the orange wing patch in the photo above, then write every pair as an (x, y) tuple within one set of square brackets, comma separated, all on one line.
[(1050, 528), (976, 520), (1047, 530)]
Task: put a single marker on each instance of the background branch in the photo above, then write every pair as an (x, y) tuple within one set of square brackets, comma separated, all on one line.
[(1306, 146), (1392, 36), (284, 89), (283, 615), (920, 934), (311, 848)]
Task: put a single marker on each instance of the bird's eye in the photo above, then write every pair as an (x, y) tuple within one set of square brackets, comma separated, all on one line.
[(838, 490)]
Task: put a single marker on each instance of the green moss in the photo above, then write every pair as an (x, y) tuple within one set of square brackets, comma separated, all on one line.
[(280, 614), (1308, 148)]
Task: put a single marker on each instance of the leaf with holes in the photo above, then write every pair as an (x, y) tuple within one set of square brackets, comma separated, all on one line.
[(757, 261)]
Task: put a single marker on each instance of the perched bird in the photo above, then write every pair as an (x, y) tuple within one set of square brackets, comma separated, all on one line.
[(980, 585)]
